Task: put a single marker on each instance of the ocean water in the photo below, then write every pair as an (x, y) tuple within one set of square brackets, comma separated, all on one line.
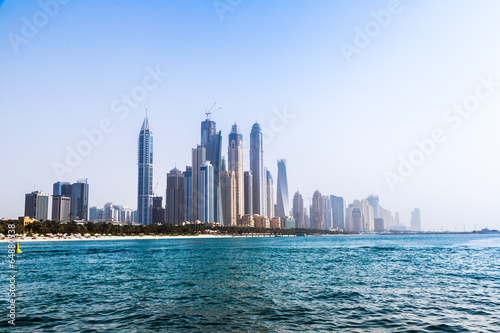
[(423, 283)]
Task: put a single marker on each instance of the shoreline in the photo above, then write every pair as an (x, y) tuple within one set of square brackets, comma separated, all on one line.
[(115, 238)]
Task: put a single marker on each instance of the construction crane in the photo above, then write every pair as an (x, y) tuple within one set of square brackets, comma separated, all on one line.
[(156, 186), (210, 111)]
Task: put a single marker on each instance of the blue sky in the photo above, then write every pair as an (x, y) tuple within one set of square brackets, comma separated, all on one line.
[(352, 120)]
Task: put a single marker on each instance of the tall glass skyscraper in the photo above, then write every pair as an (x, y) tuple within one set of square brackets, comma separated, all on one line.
[(269, 194), (145, 181), (206, 192), (214, 155), (36, 205), (338, 210), (282, 208), (235, 163), (259, 180), (80, 200), (188, 194), (373, 200)]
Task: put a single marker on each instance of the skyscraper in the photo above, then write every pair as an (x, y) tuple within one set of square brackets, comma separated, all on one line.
[(207, 129), (298, 210), (338, 211), (205, 192), (235, 163), (356, 220), (36, 205), (248, 192), (282, 208), (199, 156), (80, 200), (62, 188), (317, 221), (327, 212), (373, 200), (145, 178), (270, 194), (415, 220), (158, 210), (61, 208), (228, 182), (259, 175), (188, 194), (175, 197), (214, 155)]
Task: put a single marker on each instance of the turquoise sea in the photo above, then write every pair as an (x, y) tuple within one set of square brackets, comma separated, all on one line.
[(422, 283)]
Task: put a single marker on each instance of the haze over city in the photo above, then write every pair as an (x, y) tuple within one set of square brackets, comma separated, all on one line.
[(342, 90)]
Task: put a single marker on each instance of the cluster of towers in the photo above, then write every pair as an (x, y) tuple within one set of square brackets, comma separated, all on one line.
[(211, 189)]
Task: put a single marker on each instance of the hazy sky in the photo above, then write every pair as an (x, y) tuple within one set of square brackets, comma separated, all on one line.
[(341, 95)]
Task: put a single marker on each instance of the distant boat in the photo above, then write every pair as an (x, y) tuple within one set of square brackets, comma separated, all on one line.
[(300, 235)]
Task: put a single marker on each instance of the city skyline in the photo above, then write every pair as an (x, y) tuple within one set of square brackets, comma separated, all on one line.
[(354, 120)]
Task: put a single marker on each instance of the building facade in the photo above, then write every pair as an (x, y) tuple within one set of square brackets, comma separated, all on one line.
[(282, 207), (206, 192), (175, 197), (36, 205), (235, 163), (248, 192), (61, 208), (259, 174), (228, 182), (317, 221), (145, 177), (298, 210)]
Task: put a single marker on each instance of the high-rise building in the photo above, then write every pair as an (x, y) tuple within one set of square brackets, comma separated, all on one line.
[(379, 225), (282, 207), (259, 182), (188, 194), (373, 200), (36, 205), (199, 156), (415, 220), (61, 208), (145, 178), (270, 194), (356, 220), (158, 210), (175, 197), (93, 213), (206, 192), (317, 221), (338, 210), (207, 129), (248, 192), (80, 200), (126, 215), (228, 182), (235, 163), (327, 212), (368, 219), (298, 210), (214, 155), (62, 188), (110, 213)]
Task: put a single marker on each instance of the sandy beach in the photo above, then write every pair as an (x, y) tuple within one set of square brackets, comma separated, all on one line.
[(108, 238)]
